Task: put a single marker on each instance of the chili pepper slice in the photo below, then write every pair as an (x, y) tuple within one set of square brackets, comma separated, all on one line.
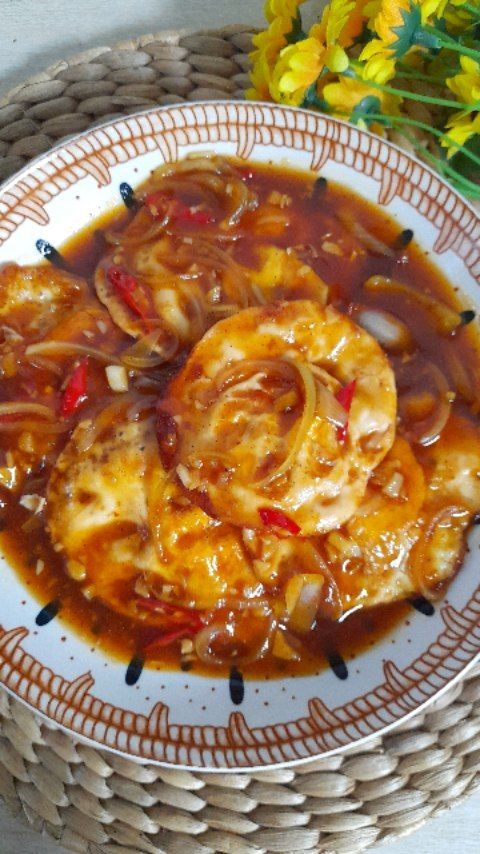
[(160, 606), (277, 519), (160, 205), (196, 217), (166, 638), (345, 397), (76, 389), (129, 289)]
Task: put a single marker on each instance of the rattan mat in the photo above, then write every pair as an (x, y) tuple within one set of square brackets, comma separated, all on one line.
[(93, 801)]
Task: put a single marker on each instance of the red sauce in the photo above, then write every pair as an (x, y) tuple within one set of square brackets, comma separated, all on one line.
[(317, 223)]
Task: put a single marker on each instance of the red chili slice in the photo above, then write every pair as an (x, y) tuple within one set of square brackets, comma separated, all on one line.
[(345, 397), (160, 205), (130, 290), (166, 638), (160, 606), (76, 389), (196, 217), (157, 204), (277, 519)]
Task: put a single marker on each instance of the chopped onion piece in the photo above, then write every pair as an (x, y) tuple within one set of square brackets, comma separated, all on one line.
[(34, 503), (117, 378), (387, 329), (302, 598)]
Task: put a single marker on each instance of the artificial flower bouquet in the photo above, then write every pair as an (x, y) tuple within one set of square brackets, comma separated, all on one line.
[(406, 68)]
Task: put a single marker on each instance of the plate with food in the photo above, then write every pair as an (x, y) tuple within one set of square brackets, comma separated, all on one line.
[(239, 435)]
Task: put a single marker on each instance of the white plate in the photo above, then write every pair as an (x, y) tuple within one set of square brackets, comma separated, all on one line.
[(179, 718)]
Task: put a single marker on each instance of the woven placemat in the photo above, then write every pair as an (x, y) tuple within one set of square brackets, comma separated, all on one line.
[(93, 801)]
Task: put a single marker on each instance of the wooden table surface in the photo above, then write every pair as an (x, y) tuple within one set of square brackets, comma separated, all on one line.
[(33, 35)]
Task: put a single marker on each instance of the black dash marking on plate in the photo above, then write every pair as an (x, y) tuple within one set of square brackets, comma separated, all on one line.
[(128, 196), (466, 316), (422, 605), (404, 238), (51, 254), (48, 613), (134, 670), (338, 665), (236, 686), (319, 188), (476, 519)]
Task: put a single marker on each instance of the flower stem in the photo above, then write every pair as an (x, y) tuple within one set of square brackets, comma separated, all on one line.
[(474, 10), (413, 75), (443, 40), (403, 120), (444, 168), (425, 99)]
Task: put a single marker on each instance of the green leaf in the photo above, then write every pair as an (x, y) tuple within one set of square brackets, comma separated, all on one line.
[(312, 101), (463, 165), (296, 34), (369, 104)]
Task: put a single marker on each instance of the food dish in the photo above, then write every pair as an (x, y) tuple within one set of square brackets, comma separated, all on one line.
[(236, 481), (257, 465)]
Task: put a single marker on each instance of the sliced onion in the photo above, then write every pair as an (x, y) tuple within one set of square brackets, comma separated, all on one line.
[(208, 637), (46, 365), (366, 238), (258, 294), (446, 319), (427, 430), (88, 432), (387, 329), (329, 406), (463, 374), (303, 595), (239, 372), (19, 407), (66, 348), (214, 174), (146, 353), (421, 561), (195, 303), (308, 414)]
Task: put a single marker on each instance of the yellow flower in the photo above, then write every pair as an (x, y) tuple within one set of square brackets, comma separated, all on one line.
[(379, 65), (281, 15), (340, 24), (466, 85), (460, 127), (457, 17), (432, 8), (297, 67), (281, 9), (348, 93), (396, 24)]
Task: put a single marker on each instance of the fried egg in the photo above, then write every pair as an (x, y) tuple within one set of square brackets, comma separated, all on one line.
[(119, 522)]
